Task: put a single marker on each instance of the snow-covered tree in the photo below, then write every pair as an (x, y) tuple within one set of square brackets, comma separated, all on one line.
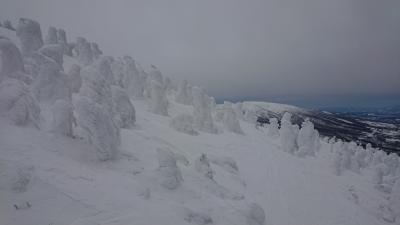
[(18, 104), (202, 165), (135, 78), (30, 36), (183, 123), (184, 95), (273, 128), (97, 80), (53, 51), (238, 108), (75, 79), (51, 37), (202, 111), (62, 117), (50, 83), (170, 175), (158, 102), (97, 126), (7, 24), (10, 59), (169, 86), (229, 119), (287, 134), (307, 139), (155, 74), (62, 40), (84, 52), (123, 108), (95, 50)]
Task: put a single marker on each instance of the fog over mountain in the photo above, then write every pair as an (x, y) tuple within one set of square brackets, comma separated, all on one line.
[(242, 48)]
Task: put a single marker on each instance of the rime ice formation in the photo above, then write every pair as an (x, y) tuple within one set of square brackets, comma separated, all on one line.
[(75, 79), (123, 108), (98, 127), (51, 37), (84, 51), (307, 139), (229, 119), (95, 50), (10, 59), (273, 128), (62, 117), (287, 134), (30, 36), (62, 40), (184, 94), (53, 51), (50, 84), (169, 174), (7, 24), (18, 104), (158, 102), (202, 111)]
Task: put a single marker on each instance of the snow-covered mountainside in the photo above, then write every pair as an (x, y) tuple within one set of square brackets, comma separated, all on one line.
[(89, 139)]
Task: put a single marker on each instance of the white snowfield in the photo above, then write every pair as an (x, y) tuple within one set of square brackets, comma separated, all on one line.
[(169, 166)]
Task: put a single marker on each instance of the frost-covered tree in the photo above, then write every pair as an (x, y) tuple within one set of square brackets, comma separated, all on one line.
[(169, 86), (30, 36), (18, 104), (53, 51), (155, 74), (97, 80), (158, 102), (183, 123), (74, 78), (202, 111), (7, 24), (169, 173), (97, 126), (184, 95), (273, 128), (62, 40), (51, 37), (84, 52), (50, 83), (10, 59), (307, 139), (123, 108), (202, 165), (62, 117), (134, 78), (95, 50), (229, 119), (238, 108), (392, 163), (287, 134)]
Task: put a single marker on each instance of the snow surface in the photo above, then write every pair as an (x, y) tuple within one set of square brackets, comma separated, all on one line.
[(212, 178)]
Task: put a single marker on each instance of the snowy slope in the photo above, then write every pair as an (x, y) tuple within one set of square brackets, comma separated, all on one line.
[(47, 178)]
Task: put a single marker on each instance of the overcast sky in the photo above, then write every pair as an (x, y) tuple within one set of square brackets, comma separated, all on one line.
[(236, 48)]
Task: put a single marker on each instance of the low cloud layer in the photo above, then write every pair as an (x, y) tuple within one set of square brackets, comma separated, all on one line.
[(242, 48)]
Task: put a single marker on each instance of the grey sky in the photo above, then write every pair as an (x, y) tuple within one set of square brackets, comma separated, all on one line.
[(242, 48)]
